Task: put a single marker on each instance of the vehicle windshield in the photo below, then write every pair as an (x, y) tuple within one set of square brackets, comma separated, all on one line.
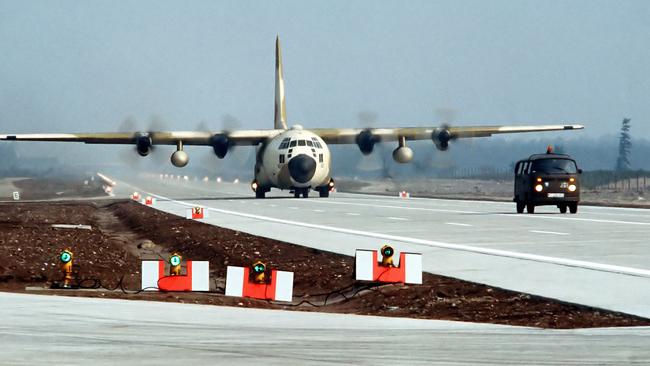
[(554, 166)]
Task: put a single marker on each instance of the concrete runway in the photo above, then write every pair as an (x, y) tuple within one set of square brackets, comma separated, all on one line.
[(52, 330), (599, 257)]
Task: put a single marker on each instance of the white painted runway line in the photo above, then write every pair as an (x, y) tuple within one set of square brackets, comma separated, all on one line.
[(397, 218), (318, 210), (548, 232), (457, 224), (569, 218), (353, 214), (515, 215), (390, 206)]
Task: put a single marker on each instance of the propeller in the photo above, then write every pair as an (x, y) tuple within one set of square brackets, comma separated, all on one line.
[(229, 124), (222, 146), (441, 137), (368, 143), (143, 140)]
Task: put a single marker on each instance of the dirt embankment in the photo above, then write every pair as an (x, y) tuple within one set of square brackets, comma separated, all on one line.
[(47, 188), (124, 232)]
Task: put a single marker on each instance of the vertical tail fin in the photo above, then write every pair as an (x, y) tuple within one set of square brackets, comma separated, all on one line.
[(280, 109)]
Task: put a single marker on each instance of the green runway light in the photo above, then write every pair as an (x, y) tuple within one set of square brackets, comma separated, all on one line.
[(175, 260), (387, 251), (65, 257)]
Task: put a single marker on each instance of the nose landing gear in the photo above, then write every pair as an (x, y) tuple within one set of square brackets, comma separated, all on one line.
[(301, 191)]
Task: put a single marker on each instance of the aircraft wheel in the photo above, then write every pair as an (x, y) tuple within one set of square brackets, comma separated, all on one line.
[(305, 193), (573, 208), (324, 192), (520, 207), (296, 193), (562, 208), (260, 193), (530, 208)]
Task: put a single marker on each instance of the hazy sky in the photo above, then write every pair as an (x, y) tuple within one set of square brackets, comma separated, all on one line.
[(86, 65)]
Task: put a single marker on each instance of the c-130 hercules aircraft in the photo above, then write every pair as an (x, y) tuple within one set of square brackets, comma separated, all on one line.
[(289, 158)]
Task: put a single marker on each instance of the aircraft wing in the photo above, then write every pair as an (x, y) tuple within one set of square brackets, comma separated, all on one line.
[(237, 137), (350, 135)]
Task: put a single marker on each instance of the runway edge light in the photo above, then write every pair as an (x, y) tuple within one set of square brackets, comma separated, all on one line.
[(149, 201), (175, 261), (196, 213), (252, 282), (368, 268), (66, 258), (387, 253), (197, 277)]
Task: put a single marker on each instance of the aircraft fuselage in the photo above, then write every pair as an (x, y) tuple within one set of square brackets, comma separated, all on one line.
[(295, 158)]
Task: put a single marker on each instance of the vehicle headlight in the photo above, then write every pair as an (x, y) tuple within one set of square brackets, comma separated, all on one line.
[(572, 187), (539, 188)]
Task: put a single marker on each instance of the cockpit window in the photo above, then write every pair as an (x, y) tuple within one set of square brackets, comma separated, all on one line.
[(316, 143), (284, 144), (554, 166), (309, 143), (301, 143), (293, 143)]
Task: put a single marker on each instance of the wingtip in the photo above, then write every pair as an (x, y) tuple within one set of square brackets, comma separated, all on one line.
[(574, 127)]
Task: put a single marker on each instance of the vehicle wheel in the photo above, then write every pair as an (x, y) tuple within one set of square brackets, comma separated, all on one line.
[(260, 193), (562, 208), (324, 192), (530, 208), (520, 207), (573, 208)]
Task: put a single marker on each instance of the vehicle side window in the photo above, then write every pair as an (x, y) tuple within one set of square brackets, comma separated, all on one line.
[(281, 158), (320, 158), (301, 143), (309, 143), (518, 168), (525, 168), (293, 143)]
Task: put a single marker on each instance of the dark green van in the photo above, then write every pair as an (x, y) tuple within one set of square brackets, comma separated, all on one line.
[(547, 179)]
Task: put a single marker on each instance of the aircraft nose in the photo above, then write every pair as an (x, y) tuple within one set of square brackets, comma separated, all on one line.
[(302, 168)]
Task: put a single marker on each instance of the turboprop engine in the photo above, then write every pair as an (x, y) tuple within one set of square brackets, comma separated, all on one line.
[(220, 144), (366, 141), (143, 145), (441, 138)]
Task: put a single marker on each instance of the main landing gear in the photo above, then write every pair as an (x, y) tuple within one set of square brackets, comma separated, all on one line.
[(323, 191)]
